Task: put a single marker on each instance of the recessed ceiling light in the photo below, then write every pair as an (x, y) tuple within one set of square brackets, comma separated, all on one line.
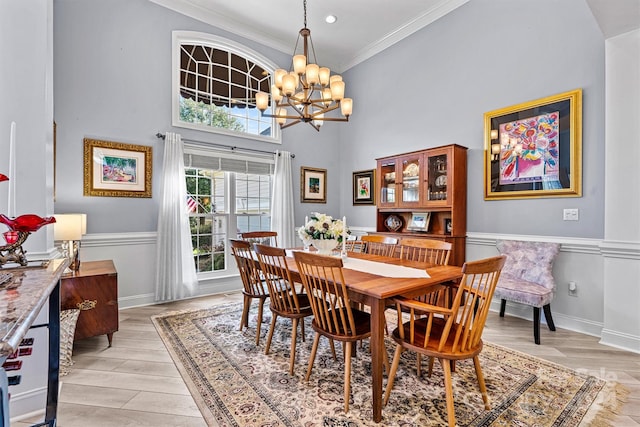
[(330, 19)]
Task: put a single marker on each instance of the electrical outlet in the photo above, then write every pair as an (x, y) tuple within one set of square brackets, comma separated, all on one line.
[(570, 215), (573, 289)]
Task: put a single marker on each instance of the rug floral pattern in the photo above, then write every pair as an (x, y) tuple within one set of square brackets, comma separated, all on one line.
[(235, 384)]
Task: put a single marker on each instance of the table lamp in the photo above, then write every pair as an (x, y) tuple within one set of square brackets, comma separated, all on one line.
[(69, 229)]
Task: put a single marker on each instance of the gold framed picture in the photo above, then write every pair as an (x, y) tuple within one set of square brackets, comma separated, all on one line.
[(313, 185), (534, 149), (115, 169)]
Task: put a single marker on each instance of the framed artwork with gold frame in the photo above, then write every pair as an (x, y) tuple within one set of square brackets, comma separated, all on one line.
[(534, 149), (313, 185), (115, 169)]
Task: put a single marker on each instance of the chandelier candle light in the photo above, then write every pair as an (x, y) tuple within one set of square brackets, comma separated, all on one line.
[(310, 90)]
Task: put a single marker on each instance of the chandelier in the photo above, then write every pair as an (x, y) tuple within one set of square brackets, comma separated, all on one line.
[(306, 93)]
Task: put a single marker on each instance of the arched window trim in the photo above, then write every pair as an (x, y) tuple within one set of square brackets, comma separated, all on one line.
[(195, 37)]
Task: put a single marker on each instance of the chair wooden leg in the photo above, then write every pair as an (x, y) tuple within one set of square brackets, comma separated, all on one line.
[(259, 322), (302, 329), (481, 384), (333, 349), (392, 374), (548, 318), (292, 357), (312, 356), (448, 385), (271, 329), (244, 319), (431, 360), (347, 375), (536, 324), (419, 364), (503, 306)]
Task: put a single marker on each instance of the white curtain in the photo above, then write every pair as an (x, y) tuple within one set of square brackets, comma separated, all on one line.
[(175, 271), (282, 215)]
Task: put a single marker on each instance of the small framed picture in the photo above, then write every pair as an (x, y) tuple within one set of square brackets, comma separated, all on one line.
[(419, 221), (448, 227), (363, 183), (313, 185)]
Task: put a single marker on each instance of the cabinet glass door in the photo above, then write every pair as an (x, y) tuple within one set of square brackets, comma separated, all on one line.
[(410, 180), (388, 187), (437, 181)]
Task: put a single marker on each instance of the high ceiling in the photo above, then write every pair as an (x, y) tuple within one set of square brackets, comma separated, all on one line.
[(363, 28)]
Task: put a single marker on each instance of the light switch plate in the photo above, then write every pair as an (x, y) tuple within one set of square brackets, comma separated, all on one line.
[(570, 215)]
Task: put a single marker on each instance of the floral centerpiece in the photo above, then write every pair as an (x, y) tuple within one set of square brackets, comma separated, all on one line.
[(322, 231)]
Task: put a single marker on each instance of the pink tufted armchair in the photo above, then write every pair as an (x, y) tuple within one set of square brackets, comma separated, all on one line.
[(527, 278)]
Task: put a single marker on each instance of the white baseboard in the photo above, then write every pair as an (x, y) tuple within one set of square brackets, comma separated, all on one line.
[(620, 340)]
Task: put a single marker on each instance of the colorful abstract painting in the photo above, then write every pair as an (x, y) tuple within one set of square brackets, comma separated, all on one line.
[(529, 149)]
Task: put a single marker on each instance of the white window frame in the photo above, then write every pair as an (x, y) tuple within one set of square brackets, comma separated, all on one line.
[(194, 37), (230, 200)]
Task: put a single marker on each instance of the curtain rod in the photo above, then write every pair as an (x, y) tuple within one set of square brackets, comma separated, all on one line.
[(229, 147)]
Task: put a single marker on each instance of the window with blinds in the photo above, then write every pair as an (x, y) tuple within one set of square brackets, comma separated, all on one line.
[(227, 194)]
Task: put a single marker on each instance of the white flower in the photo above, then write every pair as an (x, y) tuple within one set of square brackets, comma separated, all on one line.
[(322, 226)]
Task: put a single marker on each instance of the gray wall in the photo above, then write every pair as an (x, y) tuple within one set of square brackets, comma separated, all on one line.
[(485, 55), (112, 81)]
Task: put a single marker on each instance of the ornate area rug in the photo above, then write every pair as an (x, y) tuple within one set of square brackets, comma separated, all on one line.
[(235, 384)]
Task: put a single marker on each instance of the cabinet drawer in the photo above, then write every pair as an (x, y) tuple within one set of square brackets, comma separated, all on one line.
[(97, 298)]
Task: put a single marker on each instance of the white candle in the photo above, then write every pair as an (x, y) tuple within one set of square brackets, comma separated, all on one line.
[(11, 204), (306, 220), (344, 237)]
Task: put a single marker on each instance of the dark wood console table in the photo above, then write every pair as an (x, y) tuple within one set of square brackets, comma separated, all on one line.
[(94, 290)]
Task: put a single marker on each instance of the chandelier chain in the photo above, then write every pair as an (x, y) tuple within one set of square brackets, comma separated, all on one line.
[(305, 12)]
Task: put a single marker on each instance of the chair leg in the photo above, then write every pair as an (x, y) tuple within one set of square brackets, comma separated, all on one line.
[(536, 324), (312, 356), (274, 316), (294, 333), (302, 329), (392, 374), (347, 375), (419, 364), (481, 384), (431, 360), (547, 316), (244, 319), (503, 306), (333, 349), (448, 385), (259, 322)]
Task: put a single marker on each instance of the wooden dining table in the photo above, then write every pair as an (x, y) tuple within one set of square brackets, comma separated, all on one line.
[(375, 291)]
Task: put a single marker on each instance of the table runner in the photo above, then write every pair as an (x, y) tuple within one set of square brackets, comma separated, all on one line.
[(380, 268)]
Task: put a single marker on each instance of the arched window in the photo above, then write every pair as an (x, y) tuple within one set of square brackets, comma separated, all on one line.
[(214, 85)]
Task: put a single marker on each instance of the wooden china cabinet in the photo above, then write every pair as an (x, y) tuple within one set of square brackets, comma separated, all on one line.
[(423, 194)]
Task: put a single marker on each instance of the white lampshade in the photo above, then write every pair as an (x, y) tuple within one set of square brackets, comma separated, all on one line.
[(319, 120), (70, 226), (299, 64), (346, 106), (323, 74), (495, 148), (281, 112), (335, 78), (288, 84), (276, 94), (326, 96), (277, 77), (337, 90), (262, 100), (313, 73)]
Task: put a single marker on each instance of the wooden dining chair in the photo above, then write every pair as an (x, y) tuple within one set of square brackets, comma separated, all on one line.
[(254, 286), (285, 300), (436, 252), (355, 246), (333, 314), (449, 334), (261, 237), (380, 245)]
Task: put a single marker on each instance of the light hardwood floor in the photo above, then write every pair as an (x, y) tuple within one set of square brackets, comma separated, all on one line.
[(135, 383)]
